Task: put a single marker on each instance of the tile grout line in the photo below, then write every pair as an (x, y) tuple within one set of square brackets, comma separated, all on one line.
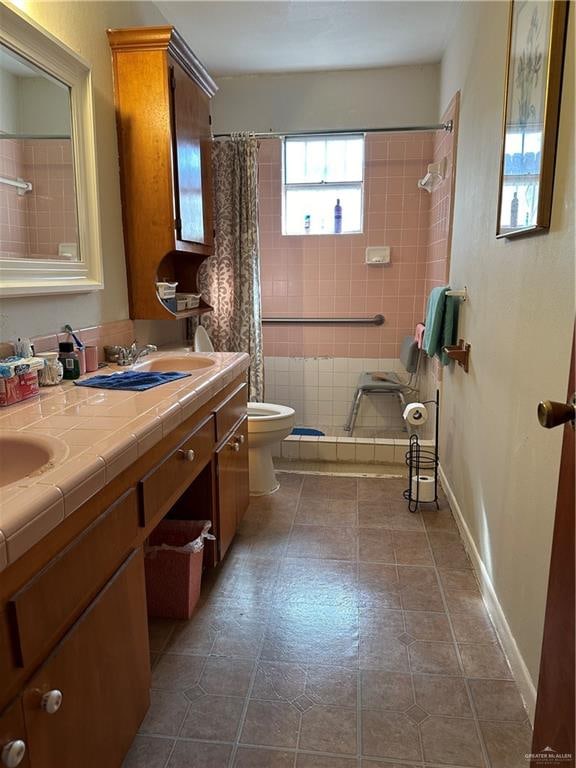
[(244, 713), (483, 747)]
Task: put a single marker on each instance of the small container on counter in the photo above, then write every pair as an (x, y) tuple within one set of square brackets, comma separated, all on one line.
[(52, 373), (91, 354), (69, 360), (18, 379)]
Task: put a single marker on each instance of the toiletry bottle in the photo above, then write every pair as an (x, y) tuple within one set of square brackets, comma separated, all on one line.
[(69, 360), (307, 223), (514, 211), (338, 217)]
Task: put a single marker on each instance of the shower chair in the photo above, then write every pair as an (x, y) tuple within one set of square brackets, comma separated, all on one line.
[(410, 357)]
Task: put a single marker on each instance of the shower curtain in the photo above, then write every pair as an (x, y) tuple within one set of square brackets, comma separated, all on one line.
[(230, 279)]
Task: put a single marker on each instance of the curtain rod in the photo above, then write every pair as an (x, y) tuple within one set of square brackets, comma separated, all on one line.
[(346, 132)]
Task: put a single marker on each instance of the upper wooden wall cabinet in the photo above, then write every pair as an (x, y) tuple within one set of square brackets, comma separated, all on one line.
[(162, 94)]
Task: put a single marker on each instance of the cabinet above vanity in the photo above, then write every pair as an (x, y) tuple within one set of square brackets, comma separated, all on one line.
[(162, 94)]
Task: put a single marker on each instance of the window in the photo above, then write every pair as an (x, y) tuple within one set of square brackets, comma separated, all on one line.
[(320, 172), (520, 191)]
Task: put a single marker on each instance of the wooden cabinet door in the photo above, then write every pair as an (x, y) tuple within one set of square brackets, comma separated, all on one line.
[(192, 159), (232, 463), (102, 669), (12, 730)]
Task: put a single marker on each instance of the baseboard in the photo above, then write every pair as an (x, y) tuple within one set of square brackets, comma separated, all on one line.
[(517, 664)]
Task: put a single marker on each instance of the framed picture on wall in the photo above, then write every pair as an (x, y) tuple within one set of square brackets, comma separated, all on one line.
[(537, 38)]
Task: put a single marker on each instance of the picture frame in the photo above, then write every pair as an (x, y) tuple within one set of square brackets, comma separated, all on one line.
[(536, 46)]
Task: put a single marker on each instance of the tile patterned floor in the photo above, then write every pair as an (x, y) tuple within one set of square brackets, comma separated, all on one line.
[(341, 632)]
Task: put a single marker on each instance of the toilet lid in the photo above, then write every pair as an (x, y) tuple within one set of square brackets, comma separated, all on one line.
[(202, 341)]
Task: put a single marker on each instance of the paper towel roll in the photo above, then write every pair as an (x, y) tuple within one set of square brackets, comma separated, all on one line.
[(415, 414), (423, 488)]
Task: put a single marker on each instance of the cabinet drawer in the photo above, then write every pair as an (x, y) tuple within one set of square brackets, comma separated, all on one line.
[(56, 596), (231, 411), (168, 481), (12, 729)]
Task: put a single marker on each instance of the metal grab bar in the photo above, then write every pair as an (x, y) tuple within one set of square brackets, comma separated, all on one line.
[(20, 184), (376, 320)]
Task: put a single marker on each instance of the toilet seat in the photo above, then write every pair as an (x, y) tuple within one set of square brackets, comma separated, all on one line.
[(264, 417)]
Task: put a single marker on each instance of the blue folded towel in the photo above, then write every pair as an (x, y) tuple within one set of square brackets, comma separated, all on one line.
[(137, 381), (434, 333)]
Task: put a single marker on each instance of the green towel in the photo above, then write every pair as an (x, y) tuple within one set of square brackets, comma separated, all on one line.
[(450, 326), (434, 333)]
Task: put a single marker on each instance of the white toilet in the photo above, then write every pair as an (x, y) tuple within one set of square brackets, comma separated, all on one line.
[(267, 424)]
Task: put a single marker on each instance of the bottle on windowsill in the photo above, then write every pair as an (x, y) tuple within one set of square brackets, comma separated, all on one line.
[(337, 217), (307, 224), (514, 211)]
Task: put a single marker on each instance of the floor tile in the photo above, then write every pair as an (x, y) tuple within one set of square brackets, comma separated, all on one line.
[(386, 690), (213, 718), (448, 550), (277, 681), (411, 548), (272, 724), (176, 672), (419, 590), (383, 651), (439, 520), (324, 487), (424, 625), (326, 542), (461, 591), (378, 585), (323, 761), (333, 686), (389, 734), (192, 636), (313, 511), (507, 744), (392, 515), (441, 695), (376, 545), (196, 754), (226, 677), (380, 490), (329, 729), (484, 661), (166, 713), (473, 628), (433, 658), (148, 752), (451, 740), (254, 757), (497, 700), (159, 630)]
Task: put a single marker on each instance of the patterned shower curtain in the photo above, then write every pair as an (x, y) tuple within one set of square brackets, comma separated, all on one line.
[(230, 279)]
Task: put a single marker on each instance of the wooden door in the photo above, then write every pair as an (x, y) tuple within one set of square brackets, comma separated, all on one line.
[(102, 669), (13, 734), (554, 719), (232, 467), (192, 159)]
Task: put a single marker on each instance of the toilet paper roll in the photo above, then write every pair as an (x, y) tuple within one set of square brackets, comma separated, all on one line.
[(415, 414), (423, 488)]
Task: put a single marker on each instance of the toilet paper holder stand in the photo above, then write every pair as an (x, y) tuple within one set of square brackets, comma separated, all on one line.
[(423, 461)]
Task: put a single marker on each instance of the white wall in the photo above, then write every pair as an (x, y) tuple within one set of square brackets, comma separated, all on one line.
[(503, 467), (44, 106), (9, 117), (82, 26), (368, 98)]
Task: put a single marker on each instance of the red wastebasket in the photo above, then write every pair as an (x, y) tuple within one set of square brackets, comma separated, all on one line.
[(173, 567)]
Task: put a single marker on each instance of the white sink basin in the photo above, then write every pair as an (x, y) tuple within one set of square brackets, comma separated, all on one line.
[(24, 456), (181, 363)]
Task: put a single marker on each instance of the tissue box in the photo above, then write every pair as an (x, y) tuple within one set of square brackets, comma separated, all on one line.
[(18, 388)]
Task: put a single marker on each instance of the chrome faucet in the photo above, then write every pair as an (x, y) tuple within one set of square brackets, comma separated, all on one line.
[(130, 355)]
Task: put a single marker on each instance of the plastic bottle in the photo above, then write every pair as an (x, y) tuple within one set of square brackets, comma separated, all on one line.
[(69, 360), (307, 223), (514, 211), (337, 217)]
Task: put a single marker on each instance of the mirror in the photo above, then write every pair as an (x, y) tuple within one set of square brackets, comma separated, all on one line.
[(49, 222), (37, 194)]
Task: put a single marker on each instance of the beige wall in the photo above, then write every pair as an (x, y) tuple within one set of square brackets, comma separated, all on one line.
[(503, 467), (82, 26), (306, 101)]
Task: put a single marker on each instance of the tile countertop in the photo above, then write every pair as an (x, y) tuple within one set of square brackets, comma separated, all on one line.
[(105, 431)]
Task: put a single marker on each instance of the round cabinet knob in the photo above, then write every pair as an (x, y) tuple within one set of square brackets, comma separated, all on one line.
[(13, 753), (189, 455), (51, 701), (234, 445), (241, 439)]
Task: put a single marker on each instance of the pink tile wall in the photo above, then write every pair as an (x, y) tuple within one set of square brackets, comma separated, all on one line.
[(325, 275), (33, 225)]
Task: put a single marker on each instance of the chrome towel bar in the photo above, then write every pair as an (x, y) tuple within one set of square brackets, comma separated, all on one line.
[(376, 320)]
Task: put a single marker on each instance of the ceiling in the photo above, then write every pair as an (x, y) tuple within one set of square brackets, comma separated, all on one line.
[(235, 38)]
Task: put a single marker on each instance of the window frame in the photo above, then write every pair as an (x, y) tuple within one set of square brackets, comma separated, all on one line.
[(322, 184)]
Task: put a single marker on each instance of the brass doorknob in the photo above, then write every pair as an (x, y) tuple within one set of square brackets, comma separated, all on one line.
[(551, 414)]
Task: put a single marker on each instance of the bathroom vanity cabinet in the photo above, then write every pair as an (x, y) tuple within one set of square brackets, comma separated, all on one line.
[(162, 94), (74, 656)]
